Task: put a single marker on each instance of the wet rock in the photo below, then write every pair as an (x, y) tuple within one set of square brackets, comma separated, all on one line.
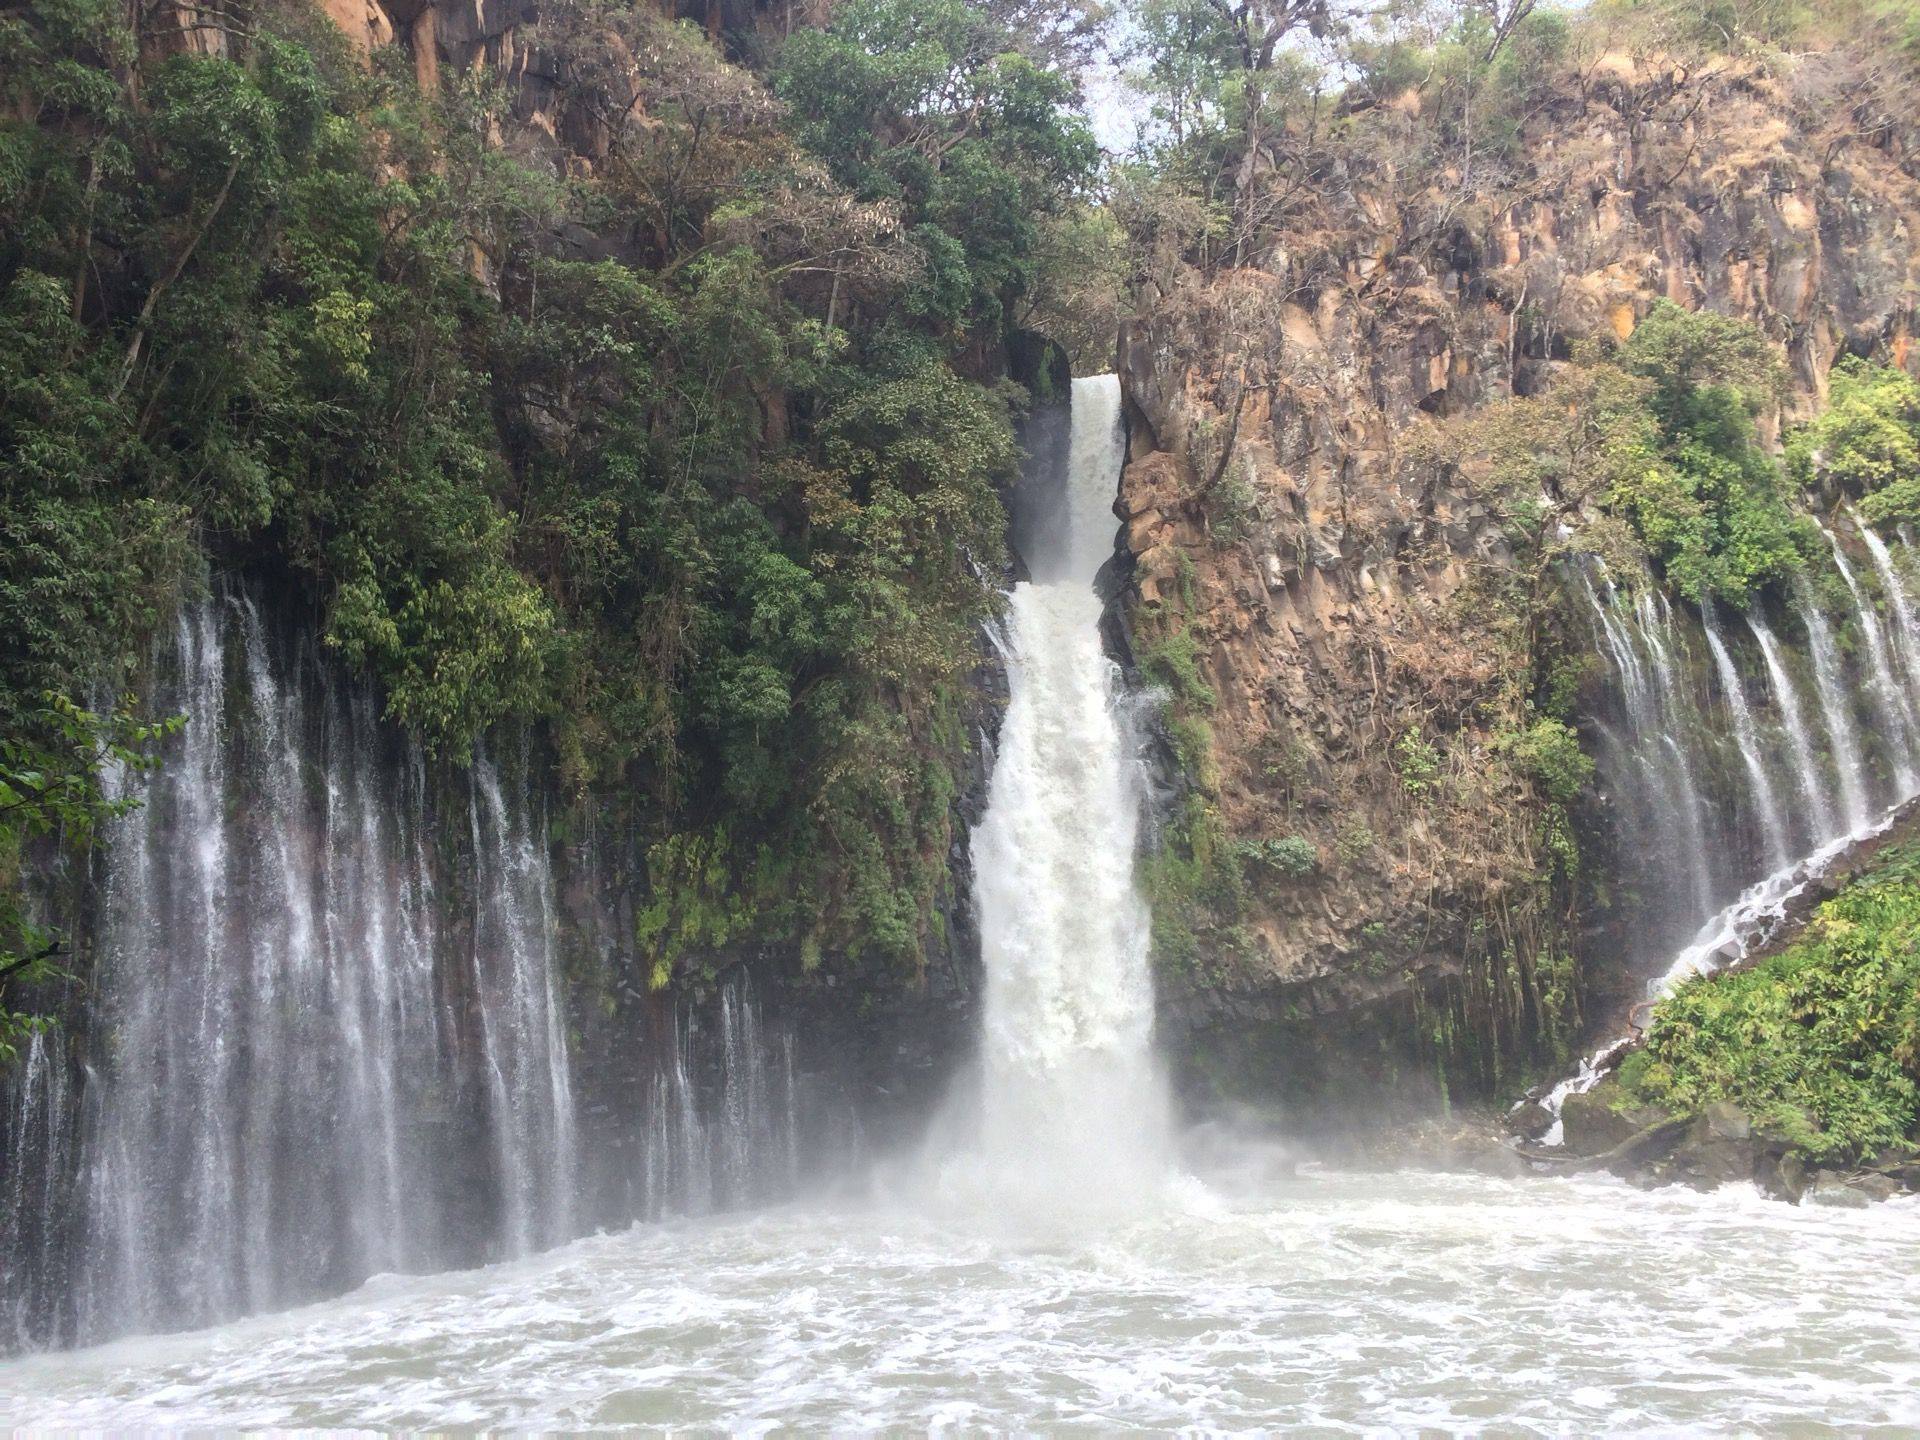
[(1782, 1176), (1875, 1187), (1593, 1127), (1707, 1165), (1499, 1160), (1529, 1120), (1829, 1187), (1727, 1121)]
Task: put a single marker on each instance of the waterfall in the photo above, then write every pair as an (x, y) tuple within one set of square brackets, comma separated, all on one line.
[(326, 1035), (1755, 916), (522, 1036), (39, 1127), (1661, 731), (1073, 1104), (1892, 702), (743, 1147), (1836, 707), (281, 1105), (1907, 629), (1747, 737), (1812, 785)]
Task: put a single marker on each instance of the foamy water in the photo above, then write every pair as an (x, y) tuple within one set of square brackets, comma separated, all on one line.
[(1345, 1301), (1072, 1106)]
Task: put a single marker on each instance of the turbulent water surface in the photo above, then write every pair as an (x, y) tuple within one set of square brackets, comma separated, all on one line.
[(1253, 1299)]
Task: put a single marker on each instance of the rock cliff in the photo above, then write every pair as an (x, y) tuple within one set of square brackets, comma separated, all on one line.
[(1287, 525)]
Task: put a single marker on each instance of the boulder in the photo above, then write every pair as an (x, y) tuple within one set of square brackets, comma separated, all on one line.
[(1726, 1121), (1829, 1187), (1783, 1176), (1529, 1120), (1593, 1127), (1875, 1187)]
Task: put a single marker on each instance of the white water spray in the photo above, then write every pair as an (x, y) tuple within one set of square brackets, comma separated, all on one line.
[(1073, 1102)]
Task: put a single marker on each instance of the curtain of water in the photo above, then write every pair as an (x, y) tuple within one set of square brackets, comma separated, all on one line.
[(1892, 696), (39, 1156), (1655, 754), (1906, 627), (325, 1045), (1836, 708), (1890, 686), (1812, 784)]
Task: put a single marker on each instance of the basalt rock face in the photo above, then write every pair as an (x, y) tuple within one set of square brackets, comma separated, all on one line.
[(1333, 615)]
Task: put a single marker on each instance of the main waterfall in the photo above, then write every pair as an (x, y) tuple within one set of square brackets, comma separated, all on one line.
[(1073, 1100)]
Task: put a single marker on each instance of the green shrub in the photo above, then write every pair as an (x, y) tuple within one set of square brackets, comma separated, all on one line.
[(1294, 856), (1418, 762), (1820, 1042), (1548, 753), (1172, 659)]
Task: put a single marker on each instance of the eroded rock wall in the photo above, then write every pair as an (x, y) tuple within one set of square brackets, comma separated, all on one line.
[(1334, 615)]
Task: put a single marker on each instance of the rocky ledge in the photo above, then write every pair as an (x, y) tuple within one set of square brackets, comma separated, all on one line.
[(1721, 1145)]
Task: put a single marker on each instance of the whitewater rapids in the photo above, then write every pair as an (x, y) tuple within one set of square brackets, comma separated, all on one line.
[(1342, 1301)]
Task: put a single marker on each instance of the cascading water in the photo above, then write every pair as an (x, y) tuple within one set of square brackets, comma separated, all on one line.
[(1836, 708), (1906, 627), (1073, 1102), (1888, 686), (279, 1114), (1892, 700), (523, 1037), (1652, 751), (1747, 736), (39, 1160), (1807, 775), (327, 1037)]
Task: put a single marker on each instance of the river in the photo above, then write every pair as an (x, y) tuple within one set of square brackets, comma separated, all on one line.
[(1253, 1299)]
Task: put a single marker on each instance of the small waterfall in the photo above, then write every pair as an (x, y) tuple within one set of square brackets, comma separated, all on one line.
[(280, 1111), (1906, 627), (1073, 1102), (1733, 932), (1661, 728), (1892, 701), (1747, 737), (1811, 783), (741, 1148), (523, 1038), (1836, 707), (38, 1129)]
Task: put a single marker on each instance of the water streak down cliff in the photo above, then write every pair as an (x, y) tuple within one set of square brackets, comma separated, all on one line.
[(330, 1032)]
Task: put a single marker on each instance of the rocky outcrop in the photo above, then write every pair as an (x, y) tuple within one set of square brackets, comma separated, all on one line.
[(1721, 1145), (1280, 504)]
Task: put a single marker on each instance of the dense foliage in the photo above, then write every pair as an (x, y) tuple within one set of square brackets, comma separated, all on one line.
[(1708, 502), (684, 456), (1820, 1042), (1867, 440), (53, 790)]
